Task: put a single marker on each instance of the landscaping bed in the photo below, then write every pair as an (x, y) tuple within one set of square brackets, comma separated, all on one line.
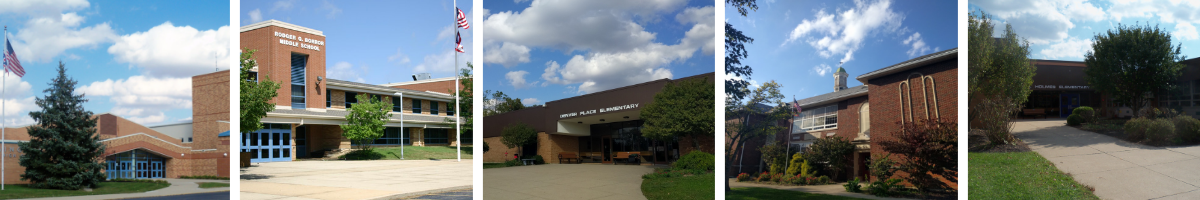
[(978, 142), (1178, 135), (21, 191), (768, 193)]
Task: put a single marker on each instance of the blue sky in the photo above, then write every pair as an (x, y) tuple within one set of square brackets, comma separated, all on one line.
[(546, 50), (376, 42), (134, 59), (800, 43), (1064, 30)]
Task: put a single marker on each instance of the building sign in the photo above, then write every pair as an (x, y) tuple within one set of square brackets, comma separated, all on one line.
[(309, 43), (601, 110), (1063, 87)]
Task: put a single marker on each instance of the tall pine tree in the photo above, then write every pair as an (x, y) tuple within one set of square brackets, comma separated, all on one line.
[(63, 151)]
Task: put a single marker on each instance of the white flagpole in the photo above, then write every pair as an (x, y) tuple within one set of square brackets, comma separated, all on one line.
[(457, 119), (2, 106)]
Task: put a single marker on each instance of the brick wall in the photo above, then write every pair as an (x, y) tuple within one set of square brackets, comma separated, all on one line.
[(886, 106), (549, 145), (326, 137), (210, 104), (274, 59), (496, 151)]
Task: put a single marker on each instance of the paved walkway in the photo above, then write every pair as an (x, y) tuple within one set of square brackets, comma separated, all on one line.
[(834, 189), (178, 187), (1115, 168), (565, 181), (386, 179)]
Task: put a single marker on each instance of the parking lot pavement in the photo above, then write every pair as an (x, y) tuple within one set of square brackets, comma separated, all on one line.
[(386, 179)]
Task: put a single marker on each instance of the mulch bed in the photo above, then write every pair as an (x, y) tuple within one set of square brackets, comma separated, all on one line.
[(977, 142)]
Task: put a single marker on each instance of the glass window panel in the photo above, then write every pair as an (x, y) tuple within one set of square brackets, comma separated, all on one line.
[(286, 139), (287, 152)]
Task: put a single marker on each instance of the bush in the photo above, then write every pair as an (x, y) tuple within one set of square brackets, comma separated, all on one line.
[(1160, 131), (929, 152), (362, 154), (1086, 113), (743, 177), (696, 160), (834, 152), (137, 180), (882, 167), (763, 177), (513, 162), (852, 186), (1187, 128), (1135, 129), (884, 188), (777, 177), (823, 180), (798, 180), (1074, 120), (799, 166), (210, 177)]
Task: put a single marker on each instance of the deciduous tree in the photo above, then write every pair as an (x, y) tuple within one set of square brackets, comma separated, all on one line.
[(1131, 62), (1000, 75), (833, 153), (752, 119), (683, 109), (518, 135), (254, 94), (365, 121)]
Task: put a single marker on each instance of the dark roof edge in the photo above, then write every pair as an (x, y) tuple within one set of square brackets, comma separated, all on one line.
[(909, 64)]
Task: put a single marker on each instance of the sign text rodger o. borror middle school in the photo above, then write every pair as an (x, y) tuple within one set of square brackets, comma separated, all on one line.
[(601, 110), (311, 43)]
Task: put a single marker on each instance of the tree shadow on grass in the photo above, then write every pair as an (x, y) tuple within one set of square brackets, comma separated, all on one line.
[(363, 155)]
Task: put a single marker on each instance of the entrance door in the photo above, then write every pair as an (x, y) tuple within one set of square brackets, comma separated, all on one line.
[(301, 142), (606, 148), (1067, 103), (272, 143)]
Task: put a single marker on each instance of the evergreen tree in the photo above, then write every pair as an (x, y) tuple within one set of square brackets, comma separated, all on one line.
[(63, 151)]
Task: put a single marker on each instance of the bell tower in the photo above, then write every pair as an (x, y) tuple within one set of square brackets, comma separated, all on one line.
[(839, 79)]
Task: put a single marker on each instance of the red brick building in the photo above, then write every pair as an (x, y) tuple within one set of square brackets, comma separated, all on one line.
[(311, 106), (917, 89), (191, 148)]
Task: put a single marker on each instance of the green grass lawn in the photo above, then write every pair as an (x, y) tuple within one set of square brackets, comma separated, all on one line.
[(493, 165), (23, 191), (213, 185), (768, 193), (1023, 175), (689, 188), (423, 153)]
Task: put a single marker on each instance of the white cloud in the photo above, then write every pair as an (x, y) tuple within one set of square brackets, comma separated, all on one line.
[(1169, 11), (1070, 48), (255, 15), (821, 69), (399, 57), (443, 62), (1082, 10), (918, 45), (14, 87), (517, 79), (174, 51), (753, 83), (1185, 31), (44, 38), (40, 8), (143, 99), (333, 9), (604, 26), (344, 71), (530, 101), (843, 32), (1044, 21), (506, 54), (283, 5)]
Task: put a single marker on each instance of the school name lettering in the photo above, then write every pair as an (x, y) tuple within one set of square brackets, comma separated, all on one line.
[(601, 110), (309, 43), (1068, 87)]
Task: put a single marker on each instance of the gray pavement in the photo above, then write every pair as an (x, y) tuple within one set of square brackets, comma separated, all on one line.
[(565, 181), (1115, 168), (833, 189), (384, 179), (178, 187)]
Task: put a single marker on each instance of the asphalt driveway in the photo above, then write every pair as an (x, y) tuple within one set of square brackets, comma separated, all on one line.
[(565, 181), (385, 179), (1115, 168)]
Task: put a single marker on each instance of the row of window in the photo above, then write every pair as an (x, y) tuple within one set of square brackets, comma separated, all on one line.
[(393, 136), (298, 92), (397, 103), (818, 118)]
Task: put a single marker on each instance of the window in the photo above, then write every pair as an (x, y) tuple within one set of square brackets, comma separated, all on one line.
[(350, 99), (253, 76), (433, 107), (822, 117), (328, 99), (466, 138), (397, 104), (436, 136), (299, 62), (449, 109), (391, 136), (416, 106)]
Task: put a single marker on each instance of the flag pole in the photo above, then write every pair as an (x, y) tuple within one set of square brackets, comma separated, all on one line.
[(458, 119), (2, 106)]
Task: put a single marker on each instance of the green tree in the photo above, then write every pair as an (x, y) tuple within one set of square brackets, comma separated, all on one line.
[(64, 150), (1000, 75), (683, 109), (1131, 62), (465, 98), (518, 135), (735, 51), (833, 152), (254, 94), (799, 166), (500, 103), (752, 119), (365, 121), (774, 155)]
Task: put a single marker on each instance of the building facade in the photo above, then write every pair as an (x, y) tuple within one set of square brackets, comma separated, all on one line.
[(191, 148), (311, 106), (1061, 86), (596, 126)]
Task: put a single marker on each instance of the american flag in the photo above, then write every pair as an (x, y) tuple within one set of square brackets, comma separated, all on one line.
[(796, 105), (458, 41), (462, 20), (10, 61)]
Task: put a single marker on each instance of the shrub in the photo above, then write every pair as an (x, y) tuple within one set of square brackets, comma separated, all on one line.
[(929, 152), (210, 177), (852, 186), (834, 152), (811, 180), (696, 160), (800, 166), (362, 154), (1160, 131), (137, 180), (743, 177), (763, 177), (1187, 128), (1074, 120), (798, 180), (1086, 113), (883, 188), (1135, 129), (513, 162), (776, 177), (823, 180), (882, 167), (537, 159)]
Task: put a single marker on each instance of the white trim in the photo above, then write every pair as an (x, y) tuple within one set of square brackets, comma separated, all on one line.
[(280, 24), (420, 81), (159, 139), (315, 109), (361, 89), (302, 116), (277, 106)]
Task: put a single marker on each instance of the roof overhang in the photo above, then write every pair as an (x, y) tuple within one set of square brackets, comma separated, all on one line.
[(910, 64), (836, 99), (359, 88)]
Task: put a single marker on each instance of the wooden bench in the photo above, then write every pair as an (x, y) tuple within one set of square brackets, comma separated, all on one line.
[(627, 157), (1034, 112), (567, 156)]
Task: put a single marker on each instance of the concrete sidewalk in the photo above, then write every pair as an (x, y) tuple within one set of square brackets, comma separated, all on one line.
[(178, 187), (1115, 168), (565, 181), (383, 179), (833, 189)]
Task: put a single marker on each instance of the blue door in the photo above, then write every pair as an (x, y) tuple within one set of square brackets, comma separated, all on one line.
[(135, 164), (270, 144), (1067, 103)]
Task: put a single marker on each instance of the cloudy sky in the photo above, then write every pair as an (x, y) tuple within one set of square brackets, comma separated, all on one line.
[(1064, 29), (134, 59), (376, 42), (800, 43), (545, 50)]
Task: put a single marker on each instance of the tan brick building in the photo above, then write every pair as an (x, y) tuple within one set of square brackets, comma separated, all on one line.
[(310, 105), (920, 88), (597, 127), (191, 148)]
